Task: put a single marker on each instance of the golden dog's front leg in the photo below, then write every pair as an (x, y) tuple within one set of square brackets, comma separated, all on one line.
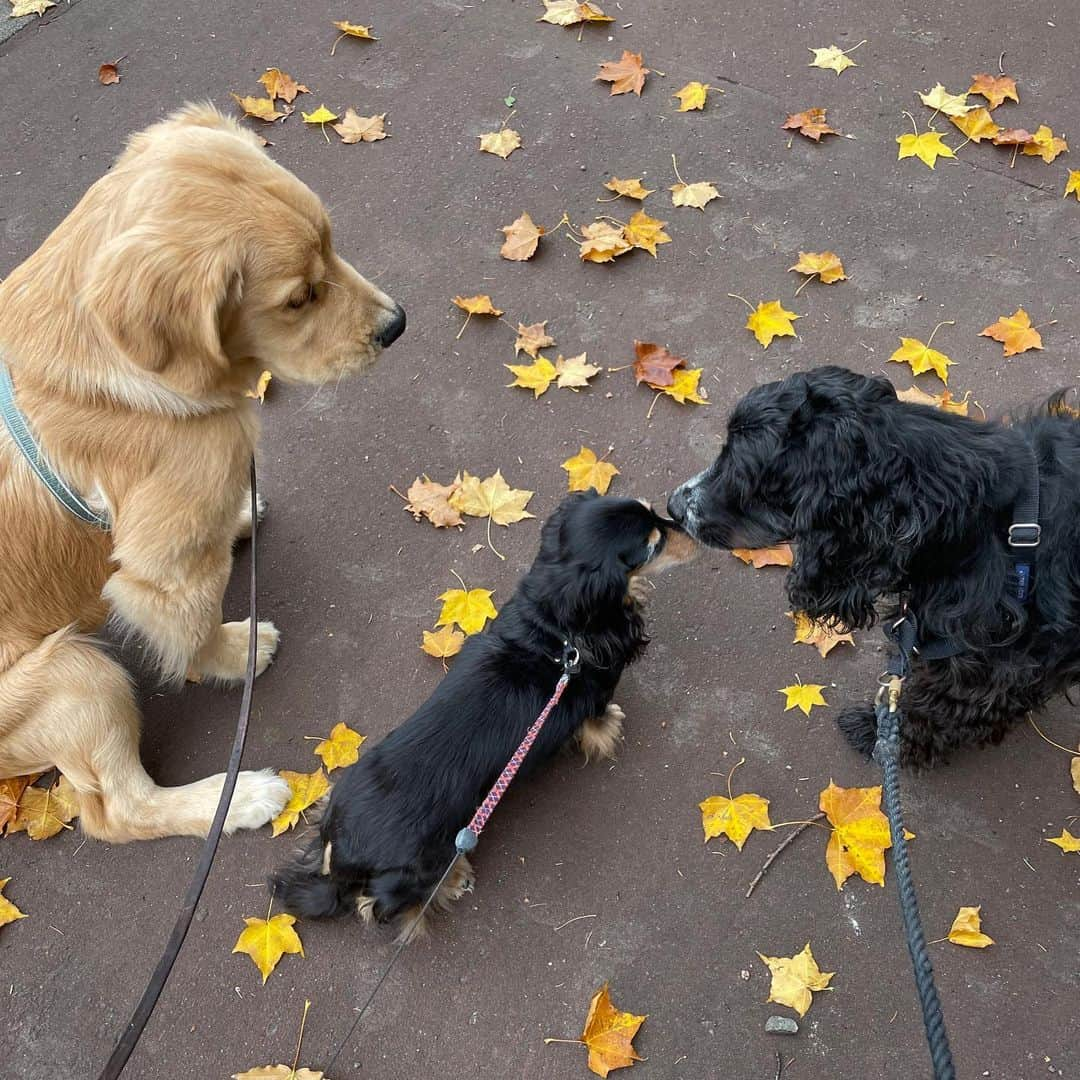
[(223, 657)]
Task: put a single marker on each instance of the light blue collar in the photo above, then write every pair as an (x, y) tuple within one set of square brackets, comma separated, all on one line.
[(25, 441)]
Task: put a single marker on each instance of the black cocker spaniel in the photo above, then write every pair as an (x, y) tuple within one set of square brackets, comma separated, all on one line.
[(387, 833), (885, 499)]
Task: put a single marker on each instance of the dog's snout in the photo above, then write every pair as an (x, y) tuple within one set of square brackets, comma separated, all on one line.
[(678, 503), (393, 328)]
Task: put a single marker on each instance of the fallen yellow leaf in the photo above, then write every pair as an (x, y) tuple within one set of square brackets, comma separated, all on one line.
[(794, 978), (443, 643), (352, 30), (492, 498), (927, 147), (1072, 184), (537, 376), (259, 390), (305, 790), (823, 638), (468, 609), (833, 58), (574, 372), (284, 1072), (267, 940), (501, 143), (976, 125), (1045, 144), (260, 108), (826, 264), (475, 305), (632, 189), (341, 749), (11, 790), (697, 195), (803, 696), (1066, 841), (944, 401), (922, 358), (571, 12), (692, 96), (735, 818), (431, 500), (280, 85), (9, 913), (19, 8), (603, 242), (860, 834), (684, 387), (645, 232), (44, 811), (585, 470), (967, 929), (940, 100), (609, 1034), (531, 339), (522, 238), (321, 115), (769, 321)]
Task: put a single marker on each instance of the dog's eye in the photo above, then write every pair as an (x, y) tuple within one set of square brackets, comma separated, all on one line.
[(307, 297)]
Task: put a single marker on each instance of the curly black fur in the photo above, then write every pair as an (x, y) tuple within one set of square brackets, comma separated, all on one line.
[(883, 498), (392, 817)]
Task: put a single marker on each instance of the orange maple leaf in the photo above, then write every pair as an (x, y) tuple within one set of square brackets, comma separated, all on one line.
[(1015, 332), (810, 123), (625, 74)]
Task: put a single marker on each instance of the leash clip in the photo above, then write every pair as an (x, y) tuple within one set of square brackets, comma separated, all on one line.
[(571, 659)]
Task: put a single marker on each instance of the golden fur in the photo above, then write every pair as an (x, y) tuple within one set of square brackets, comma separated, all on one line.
[(132, 334)]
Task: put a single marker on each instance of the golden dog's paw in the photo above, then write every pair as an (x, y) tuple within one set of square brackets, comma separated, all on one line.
[(600, 736), (242, 530), (259, 797), (224, 657)]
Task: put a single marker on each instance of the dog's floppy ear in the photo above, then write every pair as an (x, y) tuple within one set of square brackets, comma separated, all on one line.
[(160, 295)]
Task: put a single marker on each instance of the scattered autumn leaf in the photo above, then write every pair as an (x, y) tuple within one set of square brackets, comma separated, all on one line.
[(108, 74), (571, 12), (1074, 772), (825, 264), (1066, 841), (736, 818), (469, 609), (426, 498), (977, 125), (258, 392), (284, 1072), (860, 834), (19, 8), (443, 643), (1072, 184), (654, 365), (522, 237), (823, 637), (994, 89), (692, 96), (259, 108), (603, 242), (1045, 144), (944, 401), (11, 790), (940, 100), (44, 811), (1015, 332), (625, 74), (794, 978), (802, 696), (321, 115), (645, 232), (475, 305), (585, 470), (342, 748), (355, 128), (305, 789), (531, 339), (684, 387), (927, 147), (574, 372), (922, 358), (280, 85), (632, 189), (697, 195), (779, 555), (537, 376), (1013, 137), (810, 123), (351, 30), (967, 929), (833, 58), (769, 321), (9, 913), (609, 1034), (267, 940), (491, 498), (501, 143)]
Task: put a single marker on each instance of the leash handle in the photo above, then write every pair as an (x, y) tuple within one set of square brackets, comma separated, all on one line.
[(468, 838), (129, 1039)]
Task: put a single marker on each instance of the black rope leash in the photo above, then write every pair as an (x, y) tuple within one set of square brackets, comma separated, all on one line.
[(467, 839), (887, 755), (140, 1017)]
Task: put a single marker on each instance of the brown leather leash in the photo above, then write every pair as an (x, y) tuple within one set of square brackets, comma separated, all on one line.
[(141, 1016)]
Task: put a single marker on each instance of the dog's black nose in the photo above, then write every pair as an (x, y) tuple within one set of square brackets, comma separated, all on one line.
[(393, 329), (676, 506)]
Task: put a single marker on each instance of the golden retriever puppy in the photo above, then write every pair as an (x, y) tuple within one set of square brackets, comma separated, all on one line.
[(131, 336)]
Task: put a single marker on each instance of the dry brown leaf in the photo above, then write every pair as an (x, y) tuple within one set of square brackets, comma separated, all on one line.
[(355, 128), (697, 195), (625, 74), (280, 85), (108, 74), (427, 499), (522, 237), (574, 372), (1015, 333), (653, 364), (778, 555), (603, 242), (994, 88), (531, 339), (810, 123), (501, 143), (632, 189)]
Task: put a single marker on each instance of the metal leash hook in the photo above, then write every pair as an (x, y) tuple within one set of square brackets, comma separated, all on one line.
[(468, 837)]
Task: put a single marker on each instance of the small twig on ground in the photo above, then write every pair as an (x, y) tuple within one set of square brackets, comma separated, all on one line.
[(779, 1066), (772, 858)]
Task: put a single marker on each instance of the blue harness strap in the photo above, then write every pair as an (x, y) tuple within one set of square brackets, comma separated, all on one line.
[(20, 431)]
